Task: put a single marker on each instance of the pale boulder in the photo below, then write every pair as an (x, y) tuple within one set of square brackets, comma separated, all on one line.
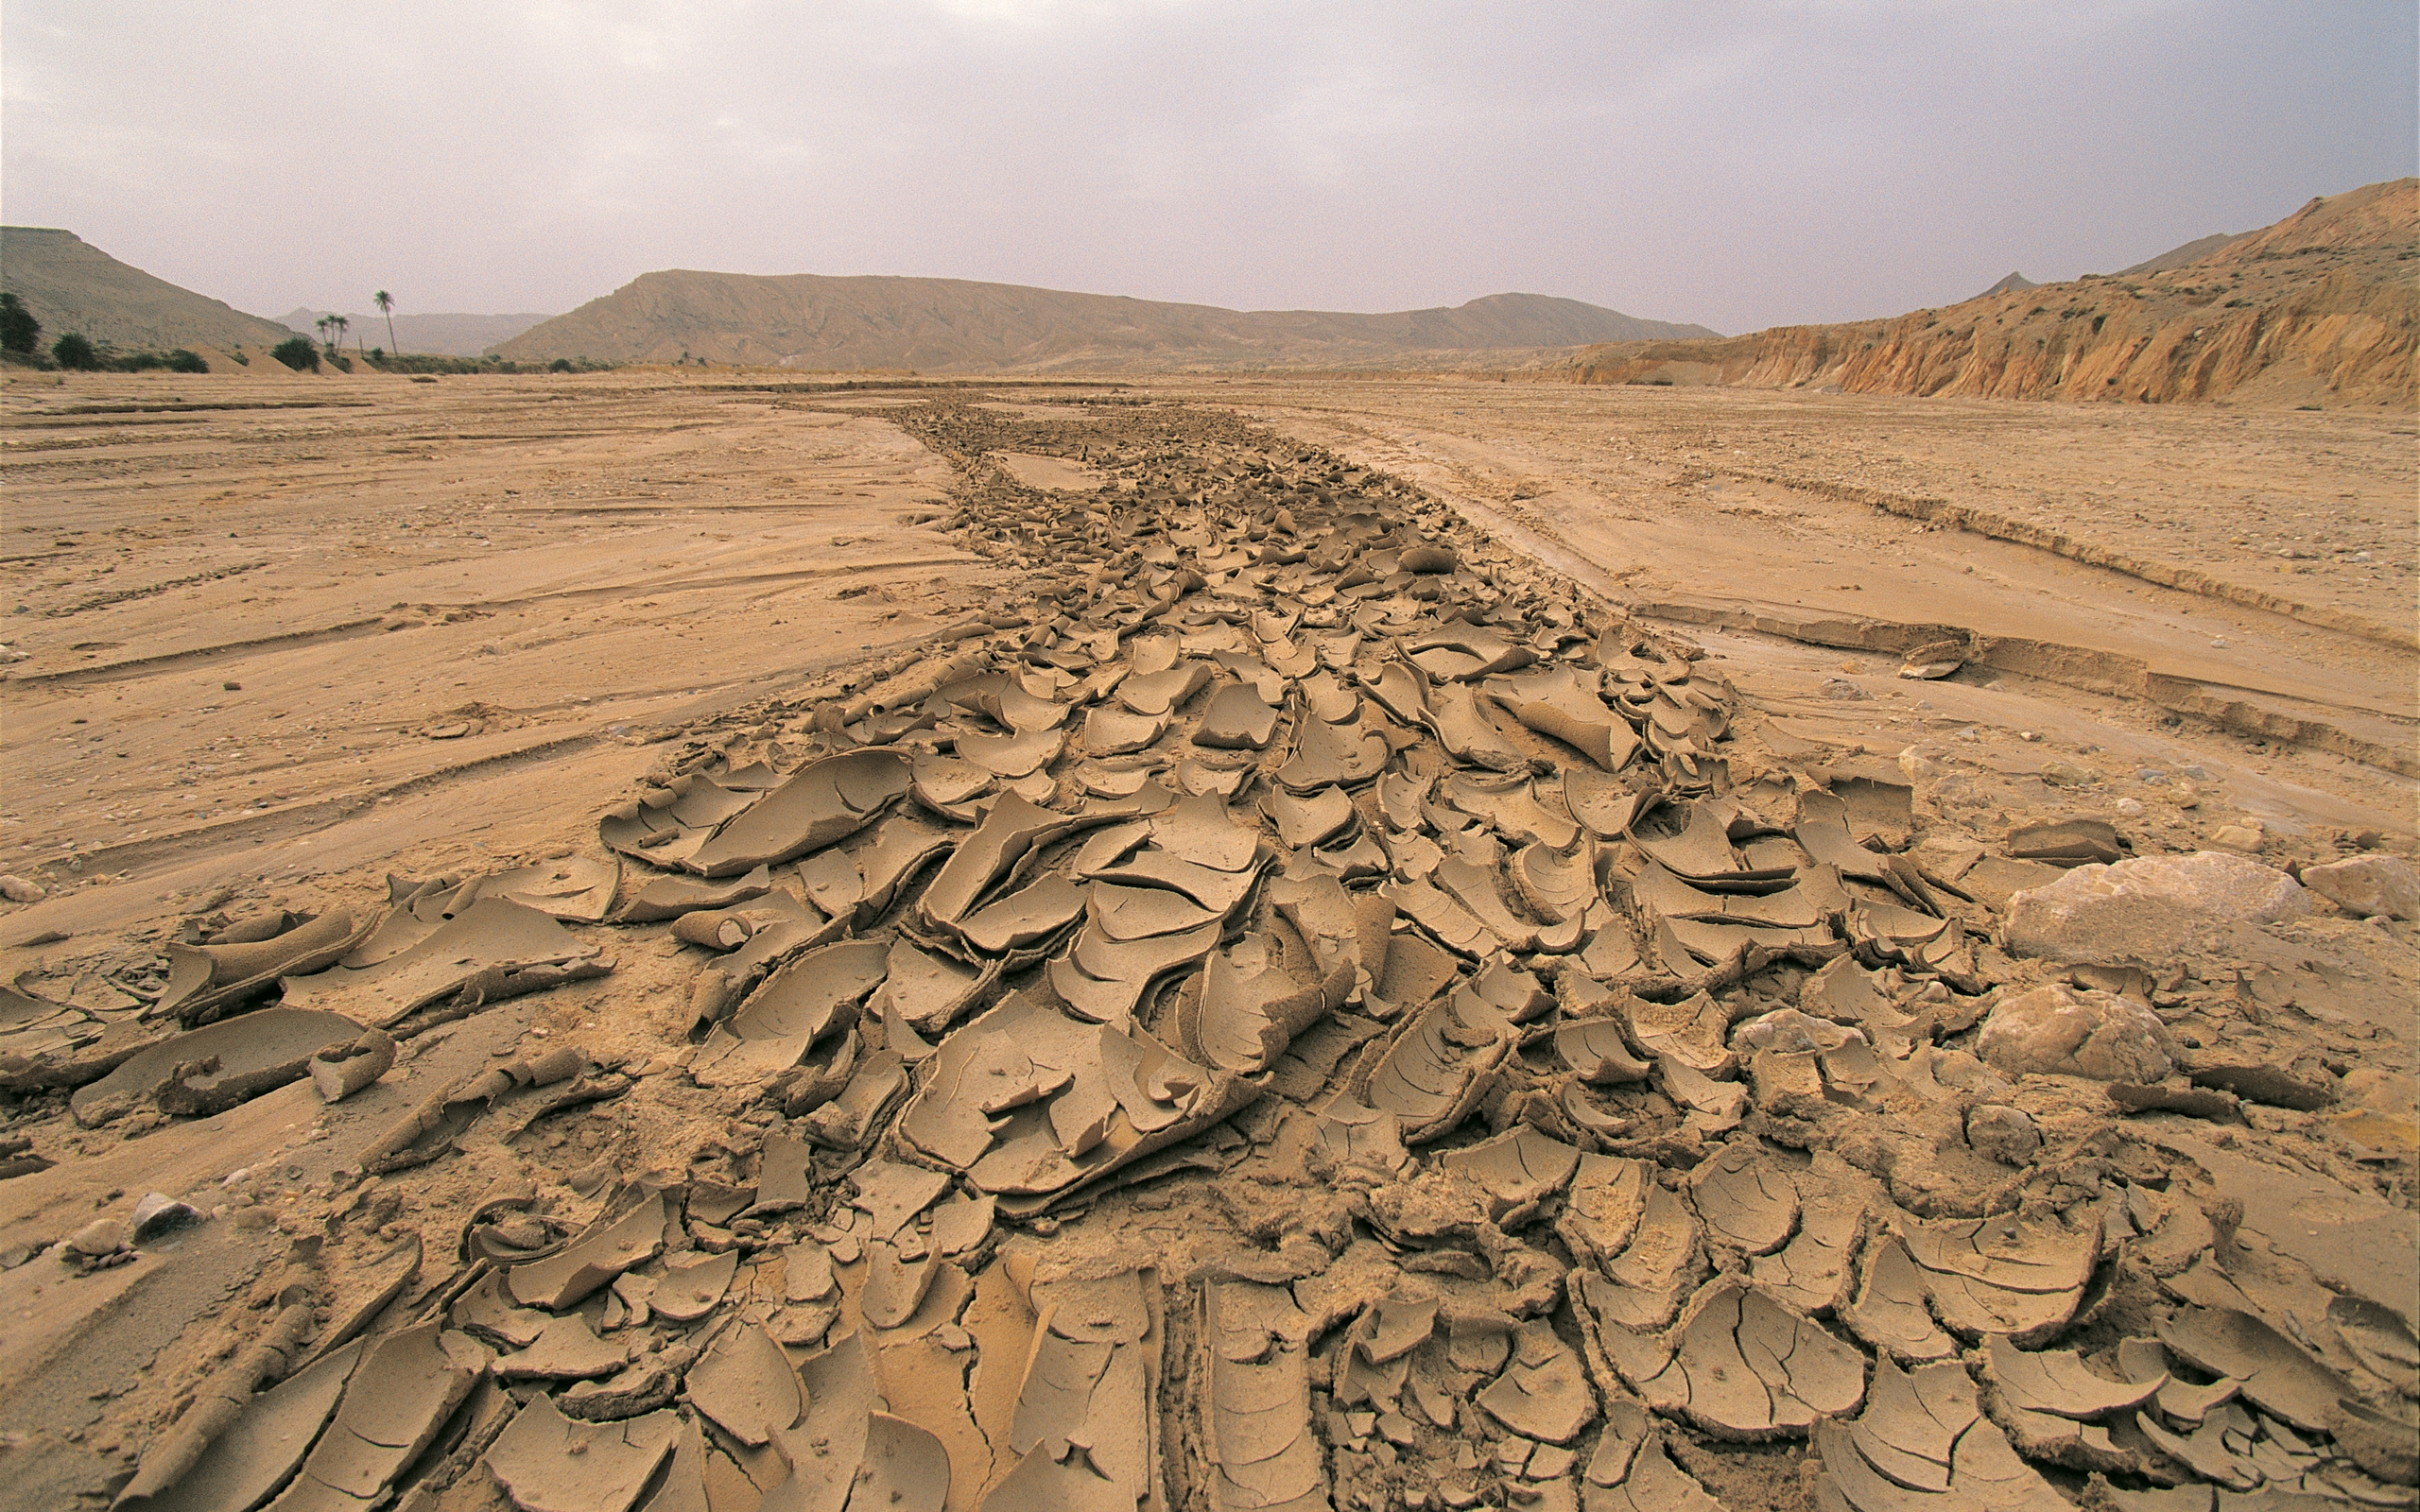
[(2146, 908), (2368, 885), (2061, 1031)]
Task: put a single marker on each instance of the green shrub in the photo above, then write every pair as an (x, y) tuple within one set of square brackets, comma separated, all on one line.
[(559, 365), (74, 353), (185, 360), (297, 352), (19, 330), (135, 361)]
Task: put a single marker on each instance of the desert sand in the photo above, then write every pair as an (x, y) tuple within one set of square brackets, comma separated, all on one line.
[(1223, 943)]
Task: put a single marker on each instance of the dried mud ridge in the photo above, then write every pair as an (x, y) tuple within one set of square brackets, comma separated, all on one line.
[(1298, 1008)]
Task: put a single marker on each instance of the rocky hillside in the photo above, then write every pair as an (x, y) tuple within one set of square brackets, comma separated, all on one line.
[(2320, 307), (72, 285), (930, 324)]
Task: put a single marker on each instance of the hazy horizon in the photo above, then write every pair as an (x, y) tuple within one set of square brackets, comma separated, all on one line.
[(1770, 164)]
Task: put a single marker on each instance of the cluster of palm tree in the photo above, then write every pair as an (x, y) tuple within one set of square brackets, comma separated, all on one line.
[(333, 327)]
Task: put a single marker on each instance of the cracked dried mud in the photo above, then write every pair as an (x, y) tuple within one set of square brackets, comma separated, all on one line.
[(1255, 946)]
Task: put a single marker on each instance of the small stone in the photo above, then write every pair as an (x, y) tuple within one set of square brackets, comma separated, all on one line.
[(2148, 908), (2005, 1134), (100, 1237), (159, 1213), (2060, 1031), (2129, 808), (18, 890), (2248, 838), (2368, 885)]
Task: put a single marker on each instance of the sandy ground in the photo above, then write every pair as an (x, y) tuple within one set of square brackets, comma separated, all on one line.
[(2169, 527), (271, 642)]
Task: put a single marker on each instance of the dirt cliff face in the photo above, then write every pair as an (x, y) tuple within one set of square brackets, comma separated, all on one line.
[(2319, 307)]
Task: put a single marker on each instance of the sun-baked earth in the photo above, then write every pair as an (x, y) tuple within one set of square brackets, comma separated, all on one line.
[(639, 943)]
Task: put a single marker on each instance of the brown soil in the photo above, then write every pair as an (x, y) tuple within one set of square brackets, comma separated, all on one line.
[(270, 658)]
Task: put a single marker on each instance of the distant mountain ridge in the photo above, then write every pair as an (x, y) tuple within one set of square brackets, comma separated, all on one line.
[(446, 335), (70, 284), (2320, 306), (954, 325)]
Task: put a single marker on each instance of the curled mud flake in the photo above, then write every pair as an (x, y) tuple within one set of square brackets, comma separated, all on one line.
[(1812, 1271), (1236, 719), (1257, 1420), (1430, 1079), (400, 1395), (745, 1383), (1745, 1367), (1649, 1483), (1123, 914), (2006, 1275), (1596, 1051), (1889, 1313), (255, 1453), (214, 1067), (2275, 1372), (1206, 833), (895, 1288), (1013, 827), (1107, 732), (2056, 1381), (493, 950), (594, 1258), (564, 1349), (1302, 821), (1543, 1394), (1216, 889), (548, 1462), (1244, 1010), (1024, 918), (1160, 693), (1518, 1170), (907, 1469), (206, 977), (1912, 1423), (892, 1195), (688, 1293), (1601, 1214), (1891, 1459), (822, 802), (1747, 1200), (815, 995), (1563, 703), (484, 1312), (942, 783)]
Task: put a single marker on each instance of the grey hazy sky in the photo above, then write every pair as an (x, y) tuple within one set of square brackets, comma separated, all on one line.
[(1741, 164)]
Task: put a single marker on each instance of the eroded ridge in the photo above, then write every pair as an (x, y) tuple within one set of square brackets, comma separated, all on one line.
[(1298, 1008)]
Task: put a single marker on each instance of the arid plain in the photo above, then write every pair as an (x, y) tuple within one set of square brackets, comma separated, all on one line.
[(272, 644)]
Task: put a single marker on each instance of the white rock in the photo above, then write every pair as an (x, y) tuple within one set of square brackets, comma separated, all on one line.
[(18, 890), (2368, 885), (2061, 1031), (2146, 908)]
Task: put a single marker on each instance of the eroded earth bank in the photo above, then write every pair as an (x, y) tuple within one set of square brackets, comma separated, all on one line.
[(640, 944)]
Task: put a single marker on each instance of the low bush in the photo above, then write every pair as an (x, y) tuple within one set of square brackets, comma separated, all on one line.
[(20, 332), (184, 360), (297, 352), (74, 353)]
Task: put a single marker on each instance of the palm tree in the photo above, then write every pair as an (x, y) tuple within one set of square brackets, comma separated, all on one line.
[(385, 303), (342, 324), (323, 323)]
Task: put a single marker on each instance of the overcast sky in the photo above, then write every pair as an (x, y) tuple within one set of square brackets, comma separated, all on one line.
[(1741, 164)]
